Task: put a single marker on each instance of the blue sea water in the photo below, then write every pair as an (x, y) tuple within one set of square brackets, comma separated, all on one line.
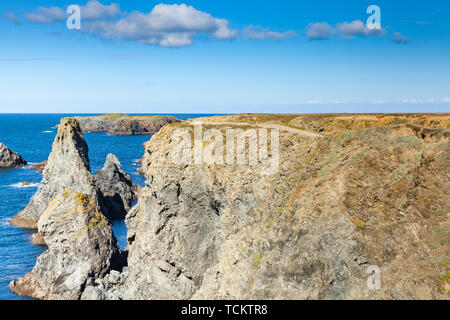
[(31, 135)]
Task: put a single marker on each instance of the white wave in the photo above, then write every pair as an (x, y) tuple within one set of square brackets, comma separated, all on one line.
[(47, 131), (4, 222), (21, 185)]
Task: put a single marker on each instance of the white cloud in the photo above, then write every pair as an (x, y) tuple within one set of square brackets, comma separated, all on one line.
[(397, 37), (166, 25), (357, 28), (11, 16), (446, 100), (260, 33), (319, 31), (94, 10), (46, 15)]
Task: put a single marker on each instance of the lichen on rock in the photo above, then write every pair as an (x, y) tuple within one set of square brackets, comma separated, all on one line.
[(81, 248), (68, 166)]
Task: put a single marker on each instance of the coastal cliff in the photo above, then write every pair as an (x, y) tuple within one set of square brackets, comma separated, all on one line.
[(342, 202), (122, 124), (339, 204), (9, 158)]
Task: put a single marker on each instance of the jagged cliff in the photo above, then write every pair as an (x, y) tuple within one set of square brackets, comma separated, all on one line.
[(337, 204), (81, 248), (67, 166), (71, 211)]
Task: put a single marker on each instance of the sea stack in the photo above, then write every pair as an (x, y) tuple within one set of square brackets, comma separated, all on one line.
[(117, 188), (81, 248), (68, 166), (9, 158)]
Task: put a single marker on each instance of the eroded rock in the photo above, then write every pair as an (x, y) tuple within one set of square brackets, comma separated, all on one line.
[(81, 248), (9, 158), (39, 167), (336, 206), (68, 166), (122, 124), (119, 191)]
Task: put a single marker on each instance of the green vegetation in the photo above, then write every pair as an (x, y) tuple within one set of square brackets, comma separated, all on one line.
[(360, 224), (399, 173), (257, 256), (409, 141), (441, 235), (401, 202)]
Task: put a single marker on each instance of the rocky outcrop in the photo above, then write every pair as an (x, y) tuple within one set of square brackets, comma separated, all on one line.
[(122, 124), (68, 167), (38, 238), (371, 197), (39, 167), (338, 207), (72, 211), (119, 191), (81, 248), (9, 158)]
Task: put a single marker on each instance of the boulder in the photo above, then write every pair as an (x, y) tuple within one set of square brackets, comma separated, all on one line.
[(9, 158)]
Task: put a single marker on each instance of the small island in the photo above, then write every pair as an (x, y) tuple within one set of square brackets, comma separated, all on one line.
[(123, 124)]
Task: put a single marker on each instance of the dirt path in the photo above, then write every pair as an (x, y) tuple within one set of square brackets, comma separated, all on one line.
[(265, 126)]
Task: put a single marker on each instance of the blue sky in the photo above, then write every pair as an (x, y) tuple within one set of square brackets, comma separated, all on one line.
[(205, 56)]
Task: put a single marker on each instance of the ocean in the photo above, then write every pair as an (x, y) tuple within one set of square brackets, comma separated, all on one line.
[(32, 135)]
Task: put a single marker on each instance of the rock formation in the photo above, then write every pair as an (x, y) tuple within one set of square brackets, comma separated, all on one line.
[(9, 158), (68, 166), (122, 124), (39, 167), (81, 248), (38, 238), (119, 191), (337, 205)]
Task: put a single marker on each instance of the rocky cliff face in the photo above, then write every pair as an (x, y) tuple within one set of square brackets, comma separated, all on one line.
[(9, 158), (81, 248), (118, 190), (125, 124), (68, 166), (337, 205), (71, 211)]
